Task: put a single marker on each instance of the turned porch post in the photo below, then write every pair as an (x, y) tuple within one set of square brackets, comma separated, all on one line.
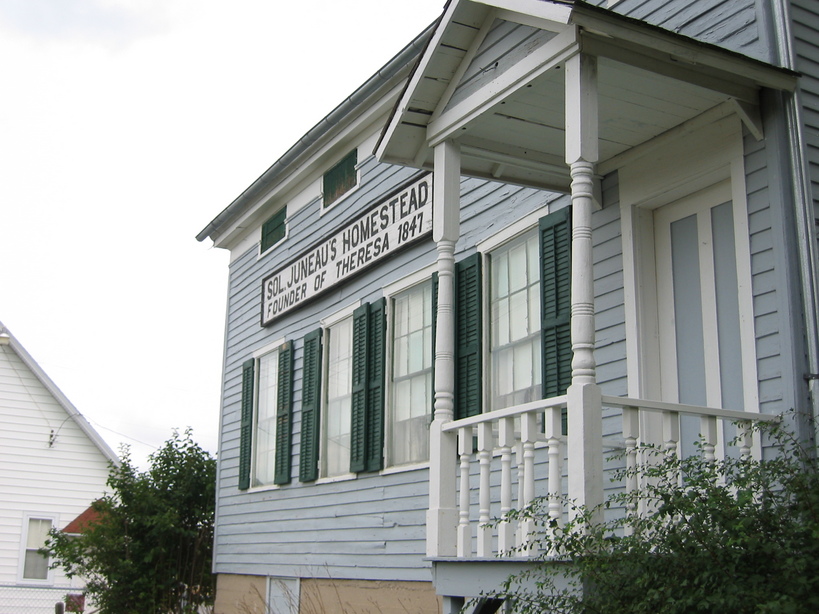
[(442, 515), (584, 402)]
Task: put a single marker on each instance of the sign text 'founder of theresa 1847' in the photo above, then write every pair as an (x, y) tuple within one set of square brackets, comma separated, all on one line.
[(389, 226)]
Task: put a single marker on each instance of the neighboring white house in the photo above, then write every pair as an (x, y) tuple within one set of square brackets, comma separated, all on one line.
[(53, 464)]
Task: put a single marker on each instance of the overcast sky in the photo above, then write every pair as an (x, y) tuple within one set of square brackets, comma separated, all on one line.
[(125, 127)]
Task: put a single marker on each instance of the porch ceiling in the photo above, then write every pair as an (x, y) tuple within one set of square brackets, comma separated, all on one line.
[(512, 127)]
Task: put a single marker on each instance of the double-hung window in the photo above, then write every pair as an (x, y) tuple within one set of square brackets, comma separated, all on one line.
[(412, 370), (342, 422), (35, 559), (528, 332), (335, 452), (266, 418)]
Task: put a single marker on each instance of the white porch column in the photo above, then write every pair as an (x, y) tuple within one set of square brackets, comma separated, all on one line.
[(442, 515), (584, 401)]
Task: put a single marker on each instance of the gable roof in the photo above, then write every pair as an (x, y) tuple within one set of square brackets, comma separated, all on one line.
[(10, 341), (493, 78)]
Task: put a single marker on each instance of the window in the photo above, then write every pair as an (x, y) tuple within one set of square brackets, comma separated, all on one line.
[(273, 230), (529, 321), (35, 563), (514, 306), (345, 433), (340, 179), (335, 451), (412, 382), (266, 413)]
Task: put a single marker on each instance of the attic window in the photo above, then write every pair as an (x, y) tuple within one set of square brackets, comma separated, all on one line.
[(273, 230), (341, 178)]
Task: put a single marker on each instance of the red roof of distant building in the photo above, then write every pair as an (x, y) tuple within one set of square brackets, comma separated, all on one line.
[(79, 524)]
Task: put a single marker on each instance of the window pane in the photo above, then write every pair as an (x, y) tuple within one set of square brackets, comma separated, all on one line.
[(36, 566), (337, 413), (411, 404), (515, 324)]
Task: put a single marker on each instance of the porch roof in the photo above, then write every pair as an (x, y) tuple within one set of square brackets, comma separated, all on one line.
[(491, 77)]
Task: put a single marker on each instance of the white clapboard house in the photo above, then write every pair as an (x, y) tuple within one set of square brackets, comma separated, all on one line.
[(546, 230), (53, 465)]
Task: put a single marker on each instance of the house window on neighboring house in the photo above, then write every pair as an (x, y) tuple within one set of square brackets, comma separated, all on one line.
[(412, 374), (266, 418), (36, 562), (340, 179), (274, 230)]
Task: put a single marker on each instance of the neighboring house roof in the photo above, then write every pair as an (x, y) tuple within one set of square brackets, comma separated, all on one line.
[(9, 340), (79, 524)]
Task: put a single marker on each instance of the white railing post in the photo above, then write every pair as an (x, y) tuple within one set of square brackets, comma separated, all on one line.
[(631, 434), (553, 430), (528, 436), (465, 449), (708, 432), (485, 445), (506, 440), (671, 432)]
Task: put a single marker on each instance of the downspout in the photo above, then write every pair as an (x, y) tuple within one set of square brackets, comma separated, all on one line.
[(806, 240)]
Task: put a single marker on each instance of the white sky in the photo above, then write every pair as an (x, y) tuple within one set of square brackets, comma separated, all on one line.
[(125, 127)]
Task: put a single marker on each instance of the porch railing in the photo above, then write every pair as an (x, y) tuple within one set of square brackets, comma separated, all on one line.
[(502, 443)]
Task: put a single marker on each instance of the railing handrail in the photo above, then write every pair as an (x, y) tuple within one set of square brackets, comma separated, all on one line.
[(507, 412), (682, 408)]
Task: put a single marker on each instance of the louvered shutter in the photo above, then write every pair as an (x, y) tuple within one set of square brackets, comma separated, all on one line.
[(556, 304), (284, 415), (376, 329), (246, 424), (358, 401), (273, 230), (468, 330), (310, 407)]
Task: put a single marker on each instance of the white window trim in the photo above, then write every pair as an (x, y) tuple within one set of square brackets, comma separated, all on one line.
[(390, 290), (702, 159), (49, 580), (266, 349), (514, 230), (326, 323)]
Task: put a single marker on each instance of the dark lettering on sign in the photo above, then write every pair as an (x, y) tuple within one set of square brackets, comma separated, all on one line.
[(397, 221)]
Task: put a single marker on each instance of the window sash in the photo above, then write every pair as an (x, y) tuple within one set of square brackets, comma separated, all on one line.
[(264, 443), (36, 563), (338, 400)]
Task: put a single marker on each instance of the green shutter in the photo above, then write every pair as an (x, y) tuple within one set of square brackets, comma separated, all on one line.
[(273, 230), (246, 425), (556, 302), (358, 402), (374, 460), (310, 407), (341, 178), (468, 330), (284, 415)]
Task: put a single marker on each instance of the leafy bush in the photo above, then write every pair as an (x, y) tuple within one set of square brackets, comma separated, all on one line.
[(730, 536), (149, 547)]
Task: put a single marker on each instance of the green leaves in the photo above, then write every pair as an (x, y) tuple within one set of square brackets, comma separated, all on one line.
[(150, 548), (733, 535)]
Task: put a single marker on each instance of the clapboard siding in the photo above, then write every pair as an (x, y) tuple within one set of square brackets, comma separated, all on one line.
[(805, 15), (733, 24)]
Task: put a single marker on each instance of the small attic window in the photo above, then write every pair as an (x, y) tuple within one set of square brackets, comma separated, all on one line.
[(340, 179), (273, 230)]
